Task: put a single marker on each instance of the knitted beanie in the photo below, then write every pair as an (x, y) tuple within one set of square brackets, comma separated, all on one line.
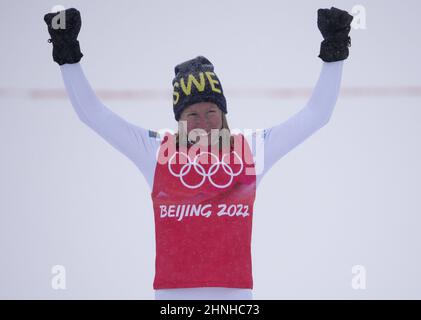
[(195, 81)]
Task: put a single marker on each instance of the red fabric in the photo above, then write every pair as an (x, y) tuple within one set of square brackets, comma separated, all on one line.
[(203, 248)]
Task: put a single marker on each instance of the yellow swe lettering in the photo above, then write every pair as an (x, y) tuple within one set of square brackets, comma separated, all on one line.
[(212, 81), (176, 95), (200, 86)]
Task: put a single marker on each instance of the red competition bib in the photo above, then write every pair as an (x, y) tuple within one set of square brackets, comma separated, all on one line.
[(203, 208)]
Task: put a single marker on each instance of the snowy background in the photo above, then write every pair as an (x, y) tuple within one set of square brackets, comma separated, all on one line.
[(349, 195)]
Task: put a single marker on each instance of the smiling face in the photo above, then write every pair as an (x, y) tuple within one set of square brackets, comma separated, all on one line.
[(202, 115)]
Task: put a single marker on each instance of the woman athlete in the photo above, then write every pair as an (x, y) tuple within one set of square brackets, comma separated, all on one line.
[(203, 178)]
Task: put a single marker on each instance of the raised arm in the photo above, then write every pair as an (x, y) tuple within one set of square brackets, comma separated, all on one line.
[(137, 143), (282, 138)]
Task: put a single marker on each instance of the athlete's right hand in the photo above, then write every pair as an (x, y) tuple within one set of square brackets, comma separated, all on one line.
[(63, 27)]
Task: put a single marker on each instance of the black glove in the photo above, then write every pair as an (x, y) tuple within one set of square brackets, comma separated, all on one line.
[(65, 44), (335, 25)]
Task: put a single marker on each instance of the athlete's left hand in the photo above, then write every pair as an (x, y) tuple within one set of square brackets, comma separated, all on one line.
[(335, 25)]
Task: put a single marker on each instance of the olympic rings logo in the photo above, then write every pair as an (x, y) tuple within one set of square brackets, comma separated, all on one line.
[(213, 169)]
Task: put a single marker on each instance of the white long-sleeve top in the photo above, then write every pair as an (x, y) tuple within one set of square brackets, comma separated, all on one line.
[(140, 145)]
